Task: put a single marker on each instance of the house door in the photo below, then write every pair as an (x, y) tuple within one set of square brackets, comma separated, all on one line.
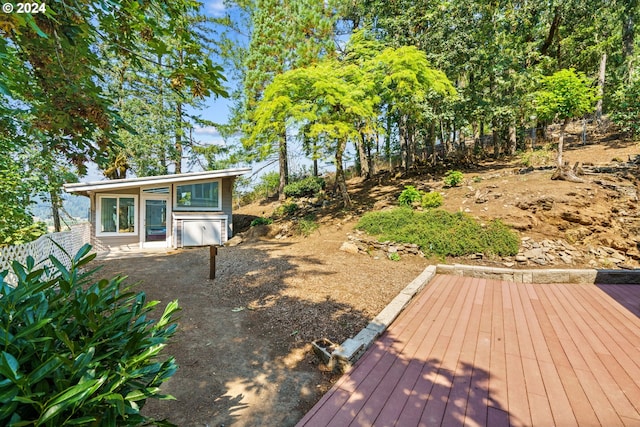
[(155, 231)]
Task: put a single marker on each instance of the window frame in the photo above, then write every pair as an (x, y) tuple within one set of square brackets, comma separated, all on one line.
[(117, 233), (178, 208)]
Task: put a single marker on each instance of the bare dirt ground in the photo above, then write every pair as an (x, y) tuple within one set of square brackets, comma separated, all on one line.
[(243, 338)]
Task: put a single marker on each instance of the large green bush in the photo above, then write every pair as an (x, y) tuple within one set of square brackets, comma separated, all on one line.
[(307, 187), (438, 232), (626, 108), (78, 351)]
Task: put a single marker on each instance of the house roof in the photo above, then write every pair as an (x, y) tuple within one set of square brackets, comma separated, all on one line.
[(116, 184)]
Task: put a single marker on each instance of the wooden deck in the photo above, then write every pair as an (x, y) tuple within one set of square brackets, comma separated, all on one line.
[(489, 353)]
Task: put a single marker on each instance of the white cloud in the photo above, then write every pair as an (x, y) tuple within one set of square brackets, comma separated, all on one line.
[(214, 7), (206, 130)]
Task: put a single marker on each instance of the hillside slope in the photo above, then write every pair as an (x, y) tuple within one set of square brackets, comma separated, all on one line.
[(595, 223)]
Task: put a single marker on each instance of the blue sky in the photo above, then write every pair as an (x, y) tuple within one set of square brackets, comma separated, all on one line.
[(217, 109)]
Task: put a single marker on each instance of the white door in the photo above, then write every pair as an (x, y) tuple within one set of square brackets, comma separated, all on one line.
[(156, 231)]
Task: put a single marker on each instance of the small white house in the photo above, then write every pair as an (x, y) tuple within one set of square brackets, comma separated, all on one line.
[(168, 211)]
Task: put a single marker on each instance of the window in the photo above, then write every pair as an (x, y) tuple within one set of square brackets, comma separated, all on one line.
[(117, 214), (198, 196)]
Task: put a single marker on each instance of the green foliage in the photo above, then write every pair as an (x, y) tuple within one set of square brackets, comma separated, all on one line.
[(261, 221), (543, 156), (394, 256), (432, 200), (409, 196), (626, 109), (565, 95), (306, 187), (268, 184), (26, 234), (79, 351), (307, 225), (16, 222), (441, 233), (289, 208), (452, 178)]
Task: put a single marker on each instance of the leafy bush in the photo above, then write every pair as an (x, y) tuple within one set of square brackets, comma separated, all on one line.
[(441, 233), (261, 221), (626, 109), (452, 178), (409, 196), (307, 225), (431, 200), (289, 208), (78, 351), (19, 236), (307, 187), (269, 183), (543, 156)]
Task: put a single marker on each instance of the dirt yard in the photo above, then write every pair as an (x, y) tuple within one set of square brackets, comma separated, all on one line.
[(243, 338), (243, 343)]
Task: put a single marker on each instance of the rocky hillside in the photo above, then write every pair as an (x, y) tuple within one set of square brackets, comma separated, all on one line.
[(594, 223)]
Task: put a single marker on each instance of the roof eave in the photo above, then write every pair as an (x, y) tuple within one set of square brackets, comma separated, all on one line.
[(84, 188)]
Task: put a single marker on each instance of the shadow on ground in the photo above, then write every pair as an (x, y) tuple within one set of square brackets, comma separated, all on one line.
[(242, 344)]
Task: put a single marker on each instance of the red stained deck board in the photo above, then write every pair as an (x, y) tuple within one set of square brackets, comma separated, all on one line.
[(626, 295), (514, 355)]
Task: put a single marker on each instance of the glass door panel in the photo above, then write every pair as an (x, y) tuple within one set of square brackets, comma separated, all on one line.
[(155, 228)]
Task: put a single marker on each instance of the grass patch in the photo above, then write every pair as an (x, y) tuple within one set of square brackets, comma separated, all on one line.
[(439, 232), (307, 225)]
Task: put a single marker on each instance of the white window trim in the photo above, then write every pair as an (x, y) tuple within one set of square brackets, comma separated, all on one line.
[(177, 208), (136, 208)]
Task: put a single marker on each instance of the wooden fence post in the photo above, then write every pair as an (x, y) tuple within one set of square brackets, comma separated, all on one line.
[(213, 251)]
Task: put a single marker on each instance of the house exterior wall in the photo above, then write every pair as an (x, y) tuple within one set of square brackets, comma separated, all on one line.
[(107, 243), (175, 223), (227, 203)]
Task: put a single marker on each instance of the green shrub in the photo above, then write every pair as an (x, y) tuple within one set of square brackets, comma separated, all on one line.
[(289, 208), (438, 232), (543, 156), (452, 178), (268, 184), (307, 187), (431, 200), (307, 225), (394, 256), (77, 351), (409, 196), (626, 108), (261, 221)]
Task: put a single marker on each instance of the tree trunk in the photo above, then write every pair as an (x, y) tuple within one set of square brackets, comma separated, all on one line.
[(513, 141), (411, 144), (364, 158), (495, 134), (628, 34), (178, 144), (284, 166), (340, 178), (432, 142), (559, 159), (55, 210), (601, 76), (387, 143), (404, 150)]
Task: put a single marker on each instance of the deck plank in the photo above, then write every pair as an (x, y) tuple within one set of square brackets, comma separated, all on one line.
[(480, 352)]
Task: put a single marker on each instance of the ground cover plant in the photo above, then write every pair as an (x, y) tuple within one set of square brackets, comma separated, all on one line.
[(452, 178), (78, 351), (307, 187), (441, 233)]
